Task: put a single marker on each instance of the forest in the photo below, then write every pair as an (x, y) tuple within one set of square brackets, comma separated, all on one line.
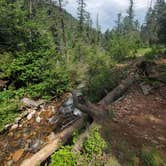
[(73, 95)]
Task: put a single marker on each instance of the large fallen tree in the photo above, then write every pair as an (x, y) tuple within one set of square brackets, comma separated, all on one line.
[(98, 112)]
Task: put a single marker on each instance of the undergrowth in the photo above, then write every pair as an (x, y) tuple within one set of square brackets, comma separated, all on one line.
[(92, 153), (151, 157)]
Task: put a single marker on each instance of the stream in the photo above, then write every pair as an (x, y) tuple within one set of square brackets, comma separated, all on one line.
[(36, 129)]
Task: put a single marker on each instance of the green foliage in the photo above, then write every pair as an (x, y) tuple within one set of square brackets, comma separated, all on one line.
[(123, 46), (150, 157), (94, 144), (104, 80), (63, 157), (113, 162), (8, 107)]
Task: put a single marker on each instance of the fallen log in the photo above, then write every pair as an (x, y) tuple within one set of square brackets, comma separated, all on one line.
[(95, 111), (119, 90), (100, 111), (50, 148)]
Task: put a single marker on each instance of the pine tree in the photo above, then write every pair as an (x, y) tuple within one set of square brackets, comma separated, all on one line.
[(81, 15), (62, 22), (130, 13)]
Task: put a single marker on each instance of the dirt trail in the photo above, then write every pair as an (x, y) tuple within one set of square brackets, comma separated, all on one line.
[(139, 120)]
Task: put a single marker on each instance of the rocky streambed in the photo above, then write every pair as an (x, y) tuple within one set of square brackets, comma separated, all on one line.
[(35, 128)]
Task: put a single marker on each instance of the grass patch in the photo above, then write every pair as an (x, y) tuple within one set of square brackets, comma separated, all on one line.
[(151, 157)]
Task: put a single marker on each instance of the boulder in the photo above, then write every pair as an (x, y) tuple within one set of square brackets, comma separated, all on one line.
[(31, 103), (146, 88)]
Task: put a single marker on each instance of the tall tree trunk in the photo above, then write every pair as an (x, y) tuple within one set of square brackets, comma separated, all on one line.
[(62, 23)]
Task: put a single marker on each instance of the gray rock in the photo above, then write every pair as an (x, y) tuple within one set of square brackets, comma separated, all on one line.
[(77, 112), (66, 110), (146, 89), (53, 120), (34, 146), (31, 103), (68, 102)]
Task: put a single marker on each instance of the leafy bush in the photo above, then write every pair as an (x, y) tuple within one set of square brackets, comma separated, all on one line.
[(63, 157), (94, 144), (104, 81), (148, 158), (123, 46), (112, 162), (8, 107)]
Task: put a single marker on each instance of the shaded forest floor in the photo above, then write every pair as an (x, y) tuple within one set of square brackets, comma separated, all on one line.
[(138, 121)]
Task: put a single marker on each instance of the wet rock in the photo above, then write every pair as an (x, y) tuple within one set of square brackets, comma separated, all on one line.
[(21, 143), (77, 112), (146, 89), (68, 102), (34, 146), (17, 155), (66, 110), (53, 120)]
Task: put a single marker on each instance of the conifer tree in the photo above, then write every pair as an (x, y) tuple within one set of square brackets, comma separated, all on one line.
[(81, 15)]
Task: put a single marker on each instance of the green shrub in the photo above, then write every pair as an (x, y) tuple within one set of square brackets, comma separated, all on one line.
[(94, 144), (148, 158), (112, 162), (63, 157)]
